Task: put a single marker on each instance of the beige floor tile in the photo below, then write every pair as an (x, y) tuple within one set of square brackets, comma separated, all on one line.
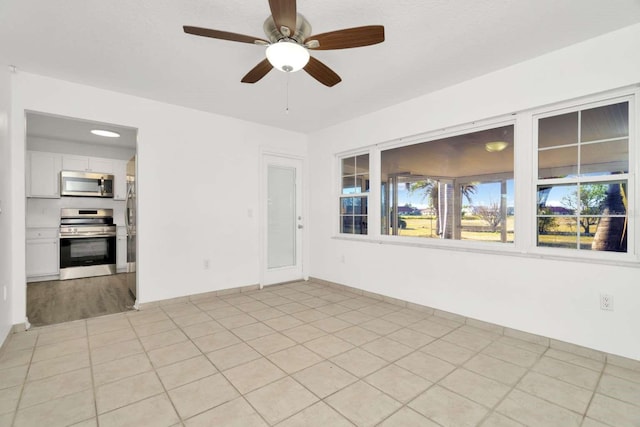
[(531, 410), (127, 391), (91, 422), (621, 372), (142, 317), (429, 367), (387, 349), (359, 362), (58, 335), (317, 415), (191, 319), (231, 356), (220, 312), (398, 383), (613, 412), (328, 346), (186, 371), (525, 345), (356, 335), (252, 306), (216, 341), (275, 301), (473, 342), (380, 326), (237, 321), (111, 337), (475, 387), (619, 388), (355, 317), (309, 316), (304, 333), (283, 322), (253, 375), (292, 397), (57, 386), (6, 419), (63, 411), (151, 342), (411, 338), (491, 332), (115, 351), (331, 324), (314, 302), (173, 353), (498, 420), (266, 314), (154, 327), (59, 365), (448, 408), (60, 349), (272, 343), (292, 307), (555, 391), (180, 309), (452, 353), (407, 417), (589, 422), (154, 411), (515, 355), (21, 341), (253, 331), (9, 399), (432, 328), (13, 376), (493, 368), (201, 395), (324, 378), (236, 413), (121, 368), (378, 309), (294, 359), (202, 329), (10, 359), (567, 372), (363, 404), (333, 309)]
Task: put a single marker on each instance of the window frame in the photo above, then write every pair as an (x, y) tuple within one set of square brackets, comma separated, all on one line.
[(571, 107), (361, 194)]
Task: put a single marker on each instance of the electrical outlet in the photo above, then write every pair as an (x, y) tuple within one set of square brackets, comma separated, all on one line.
[(606, 302), (206, 263)]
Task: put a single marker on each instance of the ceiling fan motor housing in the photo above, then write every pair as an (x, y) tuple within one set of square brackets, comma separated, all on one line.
[(298, 34)]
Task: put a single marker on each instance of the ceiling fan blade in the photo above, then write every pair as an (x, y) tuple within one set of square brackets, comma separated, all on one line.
[(322, 73), (347, 38), (284, 14), (223, 35), (257, 72)]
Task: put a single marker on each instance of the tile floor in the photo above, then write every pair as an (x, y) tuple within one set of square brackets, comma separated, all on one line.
[(302, 354)]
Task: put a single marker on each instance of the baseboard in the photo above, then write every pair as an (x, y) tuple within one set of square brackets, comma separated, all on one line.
[(197, 297)]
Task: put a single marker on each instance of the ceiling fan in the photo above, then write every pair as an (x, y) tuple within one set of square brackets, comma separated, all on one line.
[(289, 41)]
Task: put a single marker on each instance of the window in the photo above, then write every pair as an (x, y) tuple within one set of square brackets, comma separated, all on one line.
[(582, 178), (354, 194), (460, 188)]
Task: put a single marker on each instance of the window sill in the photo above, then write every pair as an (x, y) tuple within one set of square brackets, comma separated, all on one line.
[(490, 249)]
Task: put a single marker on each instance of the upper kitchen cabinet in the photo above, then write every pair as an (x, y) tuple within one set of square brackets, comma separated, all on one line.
[(87, 164), (43, 174)]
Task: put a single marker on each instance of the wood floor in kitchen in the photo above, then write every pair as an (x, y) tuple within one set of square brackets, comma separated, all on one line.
[(59, 301)]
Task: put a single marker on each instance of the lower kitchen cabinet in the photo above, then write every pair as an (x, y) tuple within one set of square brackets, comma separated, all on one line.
[(43, 253)]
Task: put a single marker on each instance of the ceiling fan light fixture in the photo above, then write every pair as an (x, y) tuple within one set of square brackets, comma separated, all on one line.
[(287, 56), (495, 146), (105, 133)]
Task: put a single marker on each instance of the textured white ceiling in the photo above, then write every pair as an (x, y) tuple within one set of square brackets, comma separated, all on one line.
[(138, 47)]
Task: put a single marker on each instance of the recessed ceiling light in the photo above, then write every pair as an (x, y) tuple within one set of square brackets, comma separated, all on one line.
[(495, 146), (106, 133)]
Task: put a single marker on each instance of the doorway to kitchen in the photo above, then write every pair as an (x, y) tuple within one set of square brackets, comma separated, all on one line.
[(80, 218), (282, 228)]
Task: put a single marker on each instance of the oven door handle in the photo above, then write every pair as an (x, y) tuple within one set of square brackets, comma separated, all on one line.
[(85, 235)]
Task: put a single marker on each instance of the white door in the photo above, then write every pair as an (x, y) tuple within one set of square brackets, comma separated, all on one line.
[(282, 219)]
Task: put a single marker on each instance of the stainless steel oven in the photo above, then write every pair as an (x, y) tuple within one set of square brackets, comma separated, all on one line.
[(87, 243)]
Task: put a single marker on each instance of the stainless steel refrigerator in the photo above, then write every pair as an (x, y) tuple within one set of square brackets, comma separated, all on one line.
[(130, 221)]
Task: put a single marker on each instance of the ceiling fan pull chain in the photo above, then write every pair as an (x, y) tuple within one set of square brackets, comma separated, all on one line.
[(286, 109)]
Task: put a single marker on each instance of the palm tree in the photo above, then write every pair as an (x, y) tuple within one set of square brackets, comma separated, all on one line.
[(611, 234), (430, 188)]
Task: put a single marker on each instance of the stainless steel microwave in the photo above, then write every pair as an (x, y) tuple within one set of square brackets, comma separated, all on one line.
[(86, 184)]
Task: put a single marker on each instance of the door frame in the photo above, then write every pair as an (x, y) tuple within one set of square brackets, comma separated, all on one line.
[(269, 157)]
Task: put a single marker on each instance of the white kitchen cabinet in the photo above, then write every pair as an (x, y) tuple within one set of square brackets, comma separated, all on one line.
[(120, 180), (43, 253), (87, 164), (43, 174), (121, 249)]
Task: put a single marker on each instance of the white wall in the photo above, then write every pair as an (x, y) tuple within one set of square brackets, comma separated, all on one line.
[(554, 298), (197, 180), (5, 203)]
